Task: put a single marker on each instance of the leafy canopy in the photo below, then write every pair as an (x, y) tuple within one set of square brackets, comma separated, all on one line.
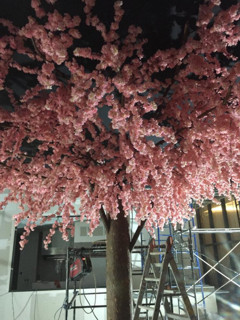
[(102, 127)]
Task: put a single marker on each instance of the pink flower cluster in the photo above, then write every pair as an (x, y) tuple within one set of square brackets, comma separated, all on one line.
[(80, 157)]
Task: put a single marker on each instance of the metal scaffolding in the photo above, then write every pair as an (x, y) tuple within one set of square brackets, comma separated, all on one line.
[(186, 246), (212, 266)]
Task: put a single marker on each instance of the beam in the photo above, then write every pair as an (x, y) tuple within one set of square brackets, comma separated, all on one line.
[(136, 235), (105, 220), (216, 230)]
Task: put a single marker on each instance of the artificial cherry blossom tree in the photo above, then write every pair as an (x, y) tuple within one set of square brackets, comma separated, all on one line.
[(56, 147)]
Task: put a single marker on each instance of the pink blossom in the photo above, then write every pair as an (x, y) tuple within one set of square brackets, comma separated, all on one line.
[(74, 33), (195, 128)]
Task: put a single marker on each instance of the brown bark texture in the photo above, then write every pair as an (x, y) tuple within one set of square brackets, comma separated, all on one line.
[(119, 297)]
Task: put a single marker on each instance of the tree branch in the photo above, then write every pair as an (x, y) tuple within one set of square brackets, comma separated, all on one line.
[(37, 50), (205, 113), (57, 72), (225, 100), (105, 219), (136, 235)]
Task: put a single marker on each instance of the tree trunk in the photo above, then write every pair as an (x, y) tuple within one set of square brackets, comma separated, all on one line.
[(119, 297)]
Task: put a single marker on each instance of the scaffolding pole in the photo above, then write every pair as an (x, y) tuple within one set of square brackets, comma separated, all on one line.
[(191, 241), (216, 230), (67, 285), (214, 267), (220, 287)]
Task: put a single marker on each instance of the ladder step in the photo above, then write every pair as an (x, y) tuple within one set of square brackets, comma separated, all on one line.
[(187, 268), (146, 307), (156, 277), (161, 246), (149, 318), (151, 279), (171, 292), (177, 316), (157, 253), (166, 293)]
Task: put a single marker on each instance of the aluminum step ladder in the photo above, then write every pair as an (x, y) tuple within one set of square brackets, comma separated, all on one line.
[(155, 273)]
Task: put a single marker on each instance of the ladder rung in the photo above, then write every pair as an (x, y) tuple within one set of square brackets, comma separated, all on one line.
[(151, 279), (156, 277), (157, 253), (171, 292), (149, 318), (177, 316), (146, 307), (136, 273), (187, 268), (167, 292), (161, 246)]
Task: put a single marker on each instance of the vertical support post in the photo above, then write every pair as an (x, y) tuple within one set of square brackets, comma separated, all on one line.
[(214, 241), (201, 241), (199, 268), (225, 217), (159, 242), (74, 304), (142, 253), (237, 211), (13, 283), (228, 235), (67, 285), (190, 242)]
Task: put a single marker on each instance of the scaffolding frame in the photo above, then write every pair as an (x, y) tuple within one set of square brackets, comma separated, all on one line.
[(70, 304), (217, 263), (191, 233), (193, 266), (198, 254)]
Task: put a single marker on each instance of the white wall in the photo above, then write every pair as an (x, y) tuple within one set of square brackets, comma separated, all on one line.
[(42, 304)]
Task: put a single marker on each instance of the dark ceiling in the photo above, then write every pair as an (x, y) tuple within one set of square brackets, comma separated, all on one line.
[(162, 23)]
